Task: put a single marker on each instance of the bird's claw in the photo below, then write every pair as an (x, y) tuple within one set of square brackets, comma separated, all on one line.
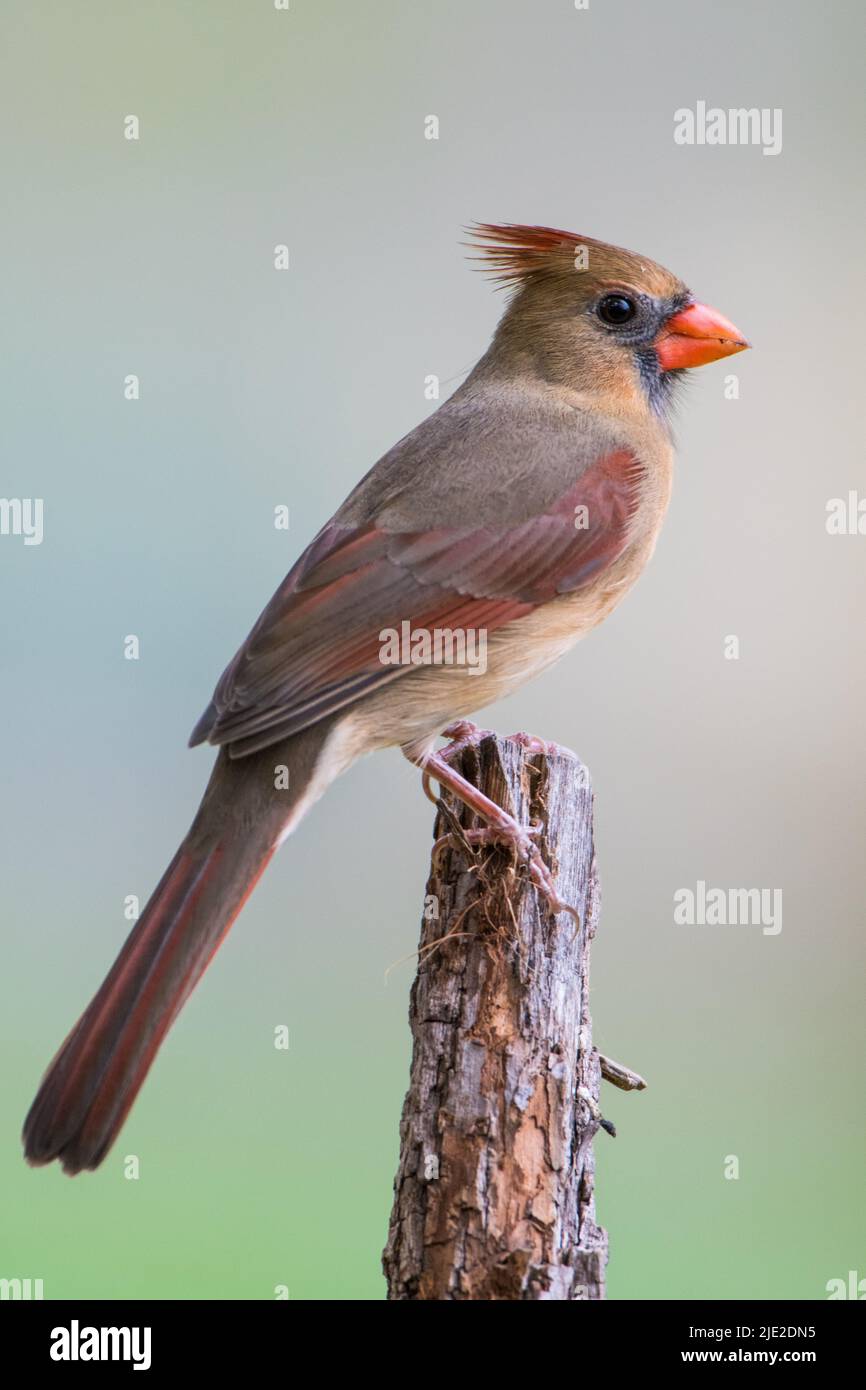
[(533, 744), (460, 735), (501, 827), (522, 839), (460, 729)]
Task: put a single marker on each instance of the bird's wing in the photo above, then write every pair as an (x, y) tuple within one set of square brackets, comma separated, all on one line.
[(317, 647)]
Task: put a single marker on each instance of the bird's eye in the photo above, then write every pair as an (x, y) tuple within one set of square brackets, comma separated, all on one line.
[(616, 308)]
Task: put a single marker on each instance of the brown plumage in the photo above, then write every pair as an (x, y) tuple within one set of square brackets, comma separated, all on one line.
[(513, 254), (526, 507)]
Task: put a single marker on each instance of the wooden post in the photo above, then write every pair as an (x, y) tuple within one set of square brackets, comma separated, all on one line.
[(493, 1197)]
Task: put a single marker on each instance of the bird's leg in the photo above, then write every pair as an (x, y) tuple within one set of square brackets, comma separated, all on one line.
[(459, 734), (501, 826)]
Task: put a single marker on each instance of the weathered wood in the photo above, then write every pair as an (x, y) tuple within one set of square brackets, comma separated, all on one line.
[(493, 1197)]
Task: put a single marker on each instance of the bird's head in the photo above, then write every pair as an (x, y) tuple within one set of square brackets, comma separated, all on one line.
[(596, 317)]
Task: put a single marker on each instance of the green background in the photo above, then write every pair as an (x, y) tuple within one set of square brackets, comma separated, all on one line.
[(260, 1167)]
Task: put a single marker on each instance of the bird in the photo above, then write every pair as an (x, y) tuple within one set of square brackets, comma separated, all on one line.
[(524, 508)]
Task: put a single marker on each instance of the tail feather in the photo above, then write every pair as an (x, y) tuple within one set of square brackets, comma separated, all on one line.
[(89, 1087), (94, 1079)]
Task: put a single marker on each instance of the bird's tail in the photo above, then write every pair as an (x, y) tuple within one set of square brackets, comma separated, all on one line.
[(89, 1087)]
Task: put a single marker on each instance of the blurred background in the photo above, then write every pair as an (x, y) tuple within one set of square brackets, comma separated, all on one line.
[(258, 388)]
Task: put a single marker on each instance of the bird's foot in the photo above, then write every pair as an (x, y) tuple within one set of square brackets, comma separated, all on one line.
[(459, 734), (461, 729), (522, 840), (501, 827), (533, 744)]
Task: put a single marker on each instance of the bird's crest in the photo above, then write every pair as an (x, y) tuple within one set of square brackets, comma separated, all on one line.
[(515, 254), (511, 252)]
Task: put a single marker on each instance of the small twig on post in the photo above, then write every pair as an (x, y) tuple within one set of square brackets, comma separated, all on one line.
[(493, 1197), (618, 1075)]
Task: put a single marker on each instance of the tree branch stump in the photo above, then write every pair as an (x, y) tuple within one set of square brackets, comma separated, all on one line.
[(493, 1197)]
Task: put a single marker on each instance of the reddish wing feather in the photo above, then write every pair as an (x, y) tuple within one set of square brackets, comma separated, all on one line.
[(316, 647)]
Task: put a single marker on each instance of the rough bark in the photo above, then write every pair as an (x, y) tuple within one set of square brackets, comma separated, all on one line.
[(493, 1197)]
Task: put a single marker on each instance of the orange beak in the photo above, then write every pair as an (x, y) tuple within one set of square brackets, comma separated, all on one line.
[(697, 335)]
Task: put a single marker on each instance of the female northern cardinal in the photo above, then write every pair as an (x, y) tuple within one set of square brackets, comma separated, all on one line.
[(524, 508)]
